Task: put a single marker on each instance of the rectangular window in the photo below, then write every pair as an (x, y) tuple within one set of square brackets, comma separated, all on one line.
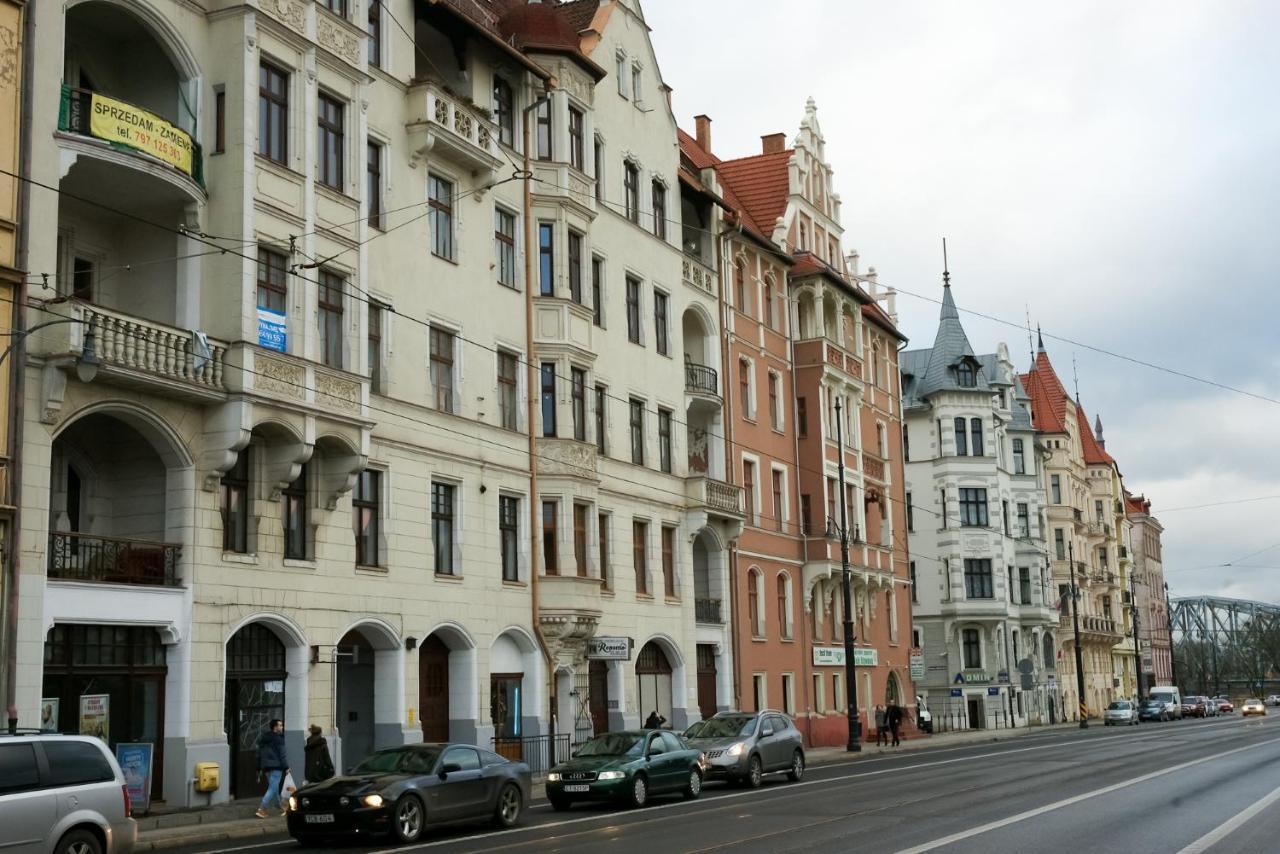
[(906, 444), (580, 538), (942, 495), (440, 216), (749, 489), (546, 259), (373, 340), (635, 83), (442, 344), (542, 116), (602, 536), (637, 432), (373, 178), (508, 533), (577, 148), (504, 105), (1055, 488), (365, 516), (578, 394), (550, 559), (972, 649), (442, 531), (330, 121), (640, 555), (631, 190), (1004, 516), (1059, 544), (219, 122), (633, 310), (976, 429), (775, 408), (669, 562), (272, 290), (973, 508), (602, 395), (744, 387), (1097, 510), (912, 569), (597, 291), (961, 438), (767, 299), (504, 246), (779, 509), (911, 515), (598, 154), (660, 322), (621, 74), (664, 440), (575, 267), (548, 399), (978, 582), (273, 113), (1024, 520), (1024, 585), (329, 318), (788, 694), (659, 196), (235, 506), (802, 417), (1019, 458), (337, 7), (806, 515), (508, 400), (293, 500), (374, 28)]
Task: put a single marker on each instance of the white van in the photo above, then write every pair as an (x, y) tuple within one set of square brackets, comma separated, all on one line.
[(1171, 698), (924, 720)]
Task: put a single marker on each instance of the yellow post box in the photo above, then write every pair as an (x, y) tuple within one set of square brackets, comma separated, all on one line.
[(207, 776)]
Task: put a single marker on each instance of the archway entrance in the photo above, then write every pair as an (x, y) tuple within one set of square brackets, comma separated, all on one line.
[(355, 695), (506, 696), (892, 691), (653, 682), (707, 679), (254, 697), (433, 689), (598, 695)]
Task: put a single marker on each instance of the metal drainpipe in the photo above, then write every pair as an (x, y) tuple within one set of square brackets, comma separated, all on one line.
[(18, 374), (725, 355)]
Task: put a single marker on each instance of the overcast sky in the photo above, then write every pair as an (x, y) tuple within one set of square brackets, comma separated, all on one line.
[(1113, 168)]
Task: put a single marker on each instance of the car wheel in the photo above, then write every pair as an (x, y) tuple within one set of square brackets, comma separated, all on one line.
[(79, 842), (797, 767), (559, 803), (510, 805), (408, 818), (639, 791), (755, 773), (693, 788)]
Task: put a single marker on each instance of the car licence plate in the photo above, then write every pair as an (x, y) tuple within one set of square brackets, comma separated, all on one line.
[(320, 818), (582, 787)]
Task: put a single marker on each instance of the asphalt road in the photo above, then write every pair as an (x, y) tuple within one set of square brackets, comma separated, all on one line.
[(1187, 787)]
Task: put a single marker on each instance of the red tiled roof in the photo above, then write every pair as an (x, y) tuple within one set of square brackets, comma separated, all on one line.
[(580, 13), (689, 147), (1137, 504), (878, 315), (1048, 396), (1093, 452), (761, 185)]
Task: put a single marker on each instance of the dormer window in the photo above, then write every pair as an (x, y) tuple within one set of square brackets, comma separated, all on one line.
[(965, 375)]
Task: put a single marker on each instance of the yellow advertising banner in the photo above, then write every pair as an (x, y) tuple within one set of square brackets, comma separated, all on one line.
[(116, 121)]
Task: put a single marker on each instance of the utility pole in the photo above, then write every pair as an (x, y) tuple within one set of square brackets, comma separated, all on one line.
[(1137, 644), (1075, 623), (850, 675), (1168, 625)]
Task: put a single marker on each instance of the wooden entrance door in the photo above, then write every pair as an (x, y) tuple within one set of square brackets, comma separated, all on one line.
[(706, 680), (254, 697), (433, 689), (598, 696)]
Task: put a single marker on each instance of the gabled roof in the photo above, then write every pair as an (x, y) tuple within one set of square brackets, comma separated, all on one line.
[(1048, 396), (1094, 453), (700, 158), (950, 348), (760, 184), (579, 13)]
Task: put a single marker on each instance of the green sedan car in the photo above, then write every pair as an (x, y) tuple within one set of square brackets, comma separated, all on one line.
[(627, 767)]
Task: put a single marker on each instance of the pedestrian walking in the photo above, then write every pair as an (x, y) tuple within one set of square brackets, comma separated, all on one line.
[(882, 727), (274, 763), (654, 721), (318, 764), (896, 714)]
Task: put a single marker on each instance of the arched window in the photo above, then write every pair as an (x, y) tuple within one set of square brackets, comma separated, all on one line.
[(784, 605), (740, 285), (753, 603), (976, 428), (768, 301), (1048, 652), (965, 376)]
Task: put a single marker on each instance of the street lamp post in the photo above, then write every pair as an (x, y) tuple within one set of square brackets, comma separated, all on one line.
[(1075, 624), (1137, 643), (850, 676)]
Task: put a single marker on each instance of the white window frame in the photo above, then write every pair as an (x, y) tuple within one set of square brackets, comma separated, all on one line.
[(456, 331), (789, 694), (517, 249), (755, 486), (760, 685), (753, 410), (782, 513), (779, 413), (522, 533), (622, 72)]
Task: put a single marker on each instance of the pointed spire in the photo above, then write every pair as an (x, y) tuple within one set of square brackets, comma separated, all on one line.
[(1039, 340), (946, 273), (1097, 431)]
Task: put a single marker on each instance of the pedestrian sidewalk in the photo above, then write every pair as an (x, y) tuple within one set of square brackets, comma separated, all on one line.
[(235, 821)]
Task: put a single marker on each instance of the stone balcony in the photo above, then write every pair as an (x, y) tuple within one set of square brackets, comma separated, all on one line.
[(564, 183), (297, 383), (114, 560), (714, 496), (569, 610), (699, 276), (447, 126)]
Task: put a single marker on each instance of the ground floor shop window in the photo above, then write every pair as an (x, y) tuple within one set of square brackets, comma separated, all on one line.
[(107, 681)]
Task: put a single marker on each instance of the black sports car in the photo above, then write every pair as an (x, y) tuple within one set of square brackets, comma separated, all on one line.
[(401, 789)]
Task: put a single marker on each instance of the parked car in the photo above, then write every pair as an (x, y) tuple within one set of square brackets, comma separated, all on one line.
[(400, 790), (1273, 700), (628, 767), (1193, 707), (924, 719), (1120, 712), (1210, 706), (1225, 706), (63, 793), (742, 747), (1171, 698), (1252, 707), (1152, 709)]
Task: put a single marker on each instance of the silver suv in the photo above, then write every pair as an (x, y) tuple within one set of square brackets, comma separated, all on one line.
[(62, 794), (742, 747)]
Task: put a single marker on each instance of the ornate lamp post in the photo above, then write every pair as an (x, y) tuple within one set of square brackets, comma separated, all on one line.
[(850, 676)]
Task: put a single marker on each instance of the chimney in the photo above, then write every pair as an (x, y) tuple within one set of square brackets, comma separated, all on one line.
[(703, 124), (773, 143)]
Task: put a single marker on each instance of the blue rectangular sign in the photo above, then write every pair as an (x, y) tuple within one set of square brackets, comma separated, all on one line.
[(135, 762), (993, 691), (957, 692), (271, 330)]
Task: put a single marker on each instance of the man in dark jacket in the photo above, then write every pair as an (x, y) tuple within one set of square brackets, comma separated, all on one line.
[(896, 714), (273, 762), (318, 765)]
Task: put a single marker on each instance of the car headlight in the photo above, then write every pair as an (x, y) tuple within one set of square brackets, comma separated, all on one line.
[(553, 777), (611, 775), (372, 800), (293, 804), (736, 750)]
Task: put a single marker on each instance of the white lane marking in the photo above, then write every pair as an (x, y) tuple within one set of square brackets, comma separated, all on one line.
[(650, 811), (1066, 802), (277, 843), (1213, 837)]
